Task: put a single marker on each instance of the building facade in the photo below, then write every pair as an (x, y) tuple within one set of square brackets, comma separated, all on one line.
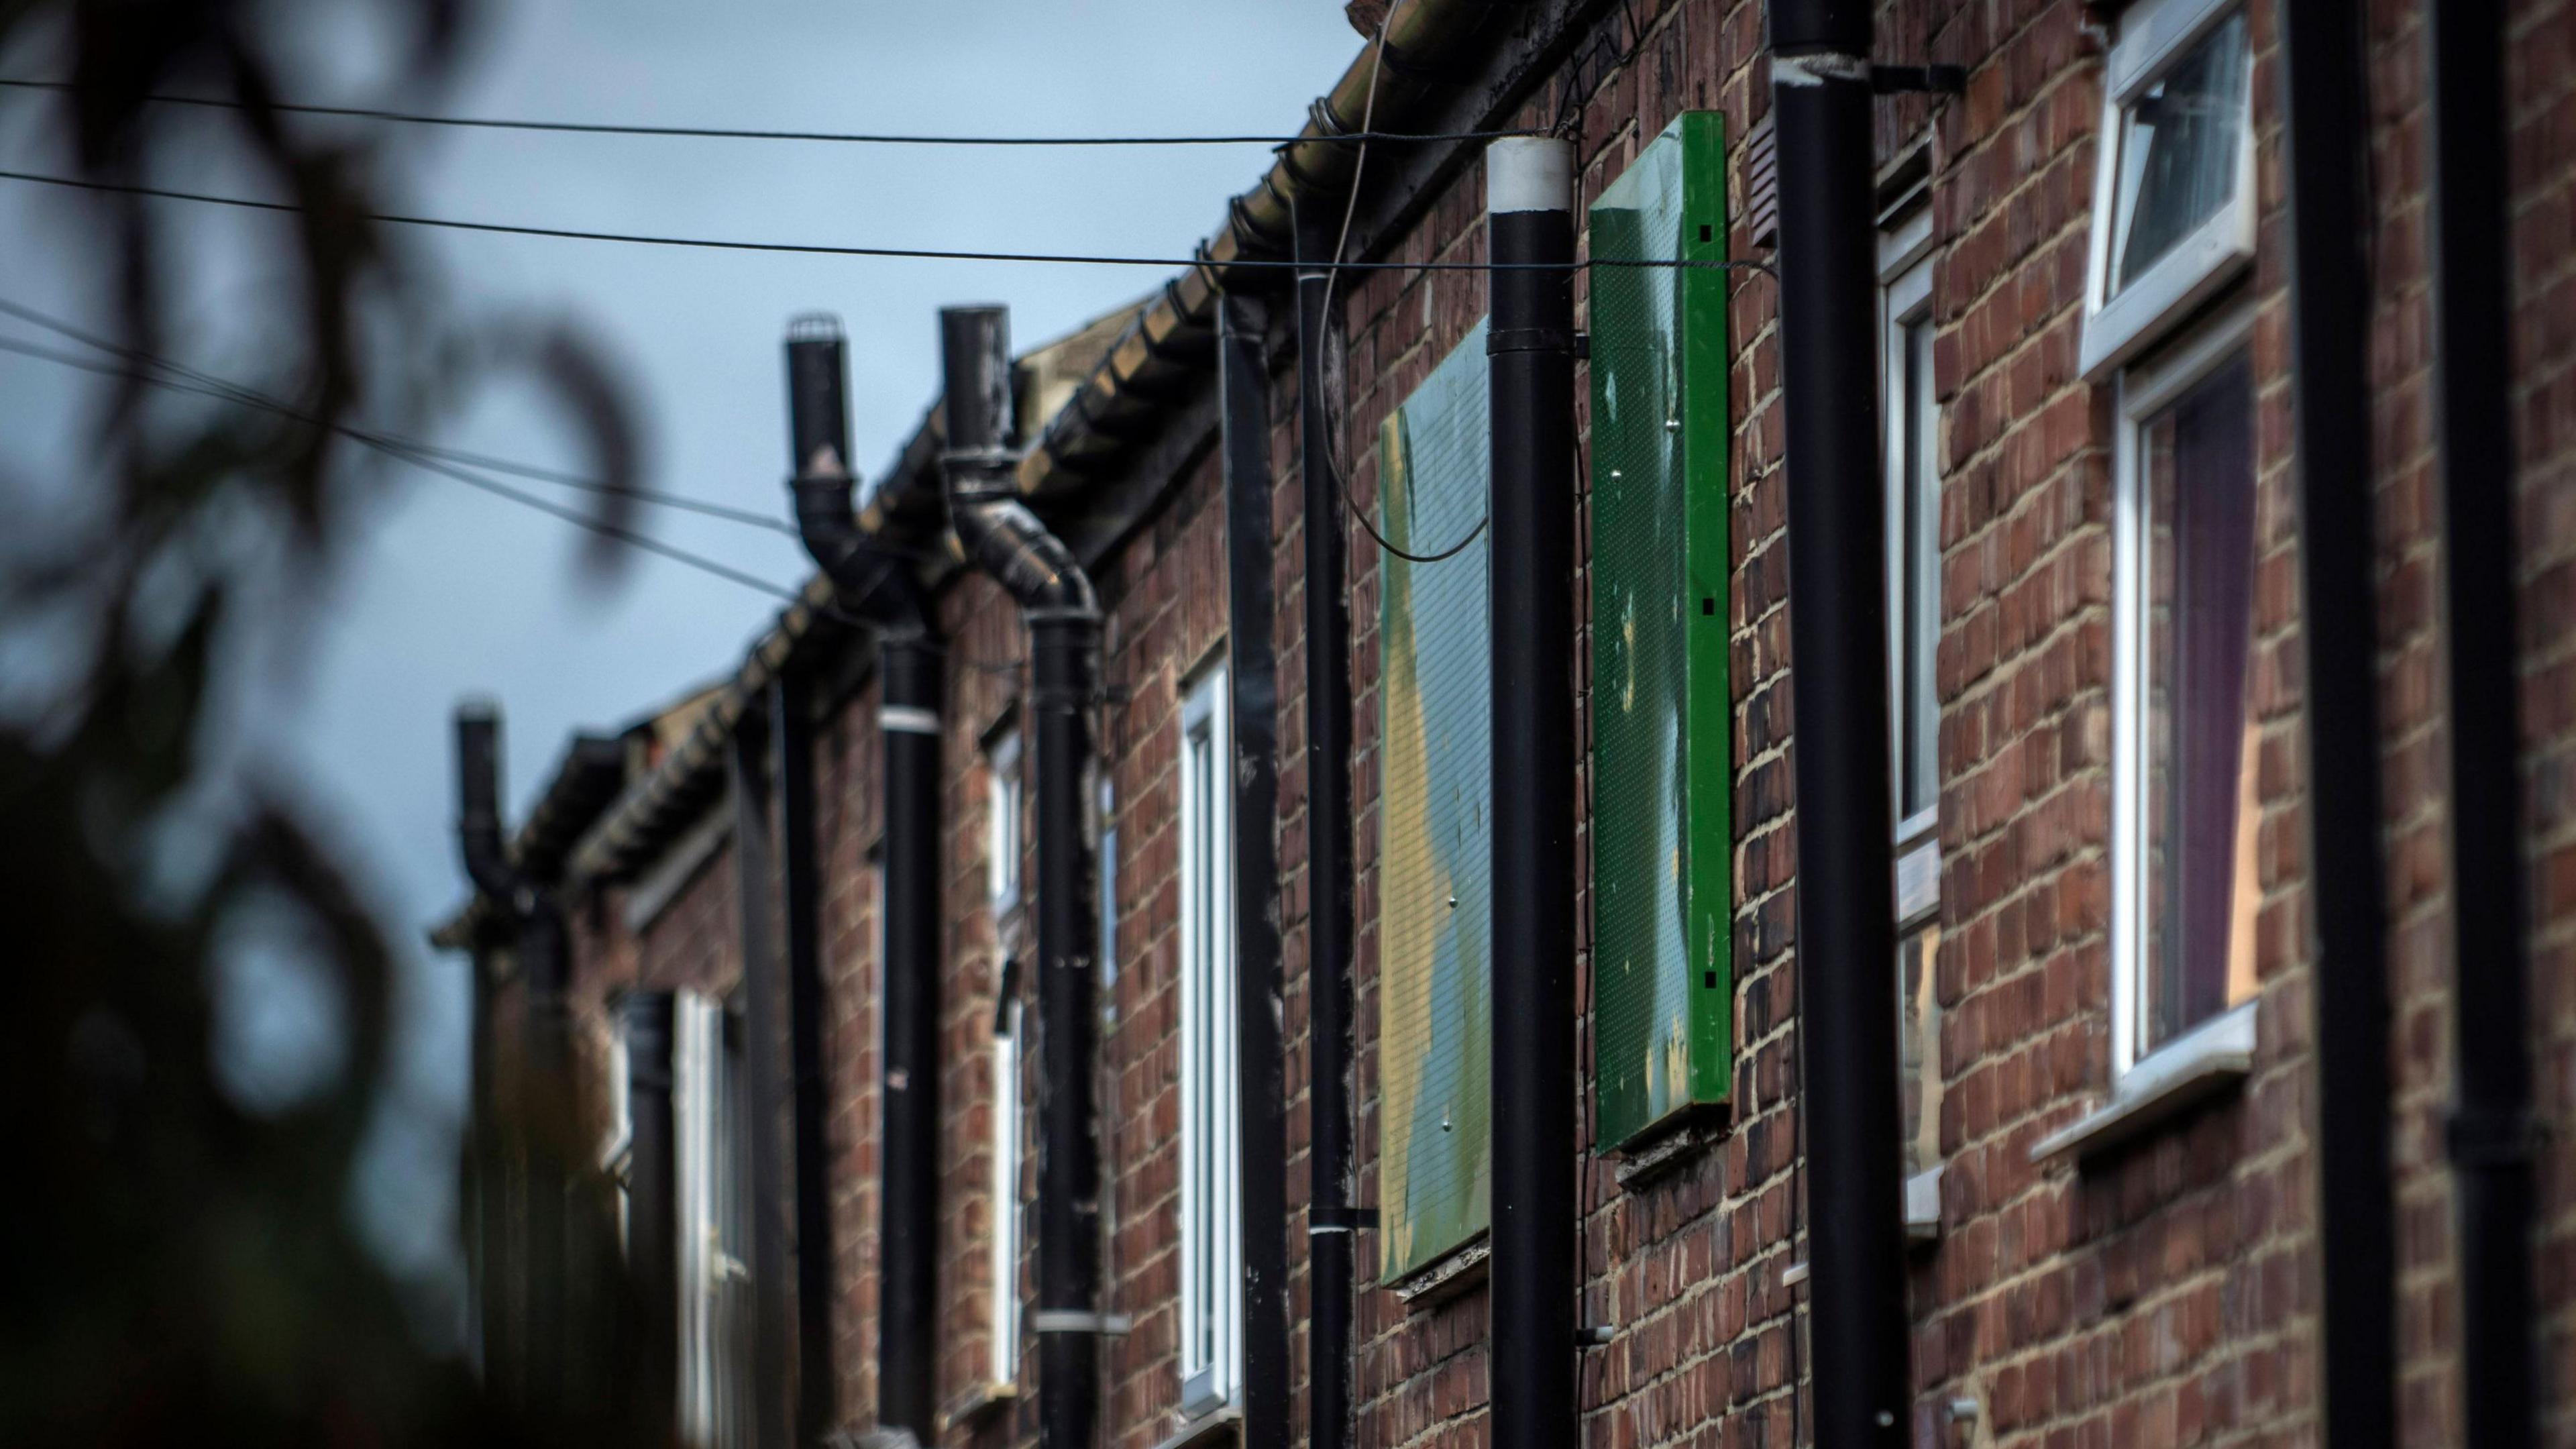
[(2120, 1078)]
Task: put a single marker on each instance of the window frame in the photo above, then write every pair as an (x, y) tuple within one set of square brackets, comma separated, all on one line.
[(1003, 1237), (2139, 393), (1005, 807), (1904, 301), (2154, 34), (1208, 1085)]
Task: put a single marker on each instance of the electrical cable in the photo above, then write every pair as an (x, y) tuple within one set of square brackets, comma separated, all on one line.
[(396, 449), (212, 385), (1341, 244), (826, 249), (733, 133)]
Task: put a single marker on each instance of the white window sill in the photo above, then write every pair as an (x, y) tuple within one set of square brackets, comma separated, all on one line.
[(1221, 1424), (1923, 1207), (2209, 1060)]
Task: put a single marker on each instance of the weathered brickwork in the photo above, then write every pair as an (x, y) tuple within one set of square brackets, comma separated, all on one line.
[(2160, 1294)]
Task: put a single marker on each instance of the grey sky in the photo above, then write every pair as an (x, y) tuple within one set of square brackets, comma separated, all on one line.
[(456, 592)]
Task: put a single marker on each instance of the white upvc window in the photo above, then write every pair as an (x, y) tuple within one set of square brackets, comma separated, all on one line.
[(1911, 466), (1002, 805), (2174, 202), (2185, 814), (1211, 1255), (617, 1143), (1003, 1241), (715, 1223)]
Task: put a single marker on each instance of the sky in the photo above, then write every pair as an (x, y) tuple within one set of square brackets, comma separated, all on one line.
[(453, 592)]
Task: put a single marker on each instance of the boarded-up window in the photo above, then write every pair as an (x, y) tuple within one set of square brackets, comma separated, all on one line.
[(1662, 889), (1435, 703)]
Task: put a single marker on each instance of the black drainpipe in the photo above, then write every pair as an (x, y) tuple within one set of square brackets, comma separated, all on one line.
[(1004, 539), (652, 1206), (1330, 1221), (791, 752), (879, 583), (2329, 135), (2491, 1126), (1529, 202), (764, 1032), (535, 927), (1846, 940), (1260, 1006)]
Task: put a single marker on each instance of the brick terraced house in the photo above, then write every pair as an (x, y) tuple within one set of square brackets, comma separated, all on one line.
[(1088, 976)]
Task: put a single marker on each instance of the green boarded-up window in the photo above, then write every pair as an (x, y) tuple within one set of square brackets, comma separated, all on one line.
[(1435, 716), (1662, 888)]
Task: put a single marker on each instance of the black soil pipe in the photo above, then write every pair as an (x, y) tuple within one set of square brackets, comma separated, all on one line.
[(1261, 1078), (1004, 539), (1846, 939), (2328, 152), (1330, 1227), (1529, 198), (2491, 1135), (881, 584), (652, 1205), (791, 752), (766, 1082), (533, 923)]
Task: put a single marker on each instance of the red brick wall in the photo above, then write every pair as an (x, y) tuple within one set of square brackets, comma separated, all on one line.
[(2541, 113), (2162, 1295)]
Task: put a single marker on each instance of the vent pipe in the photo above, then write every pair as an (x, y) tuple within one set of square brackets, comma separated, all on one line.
[(2492, 1135), (652, 1205), (532, 921), (1846, 942), (2323, 85), (880, 583), (1005, 540), (1530, 231)]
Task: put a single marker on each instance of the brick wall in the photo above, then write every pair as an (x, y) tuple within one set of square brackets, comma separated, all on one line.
[(2162, 1294)]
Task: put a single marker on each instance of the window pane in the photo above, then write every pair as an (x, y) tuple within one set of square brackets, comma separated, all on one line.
[(1919, 1046), (2179, 149), (2199, 787), (1916, 601)]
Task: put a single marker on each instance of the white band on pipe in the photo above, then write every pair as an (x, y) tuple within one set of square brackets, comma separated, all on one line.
[(1529, 173)]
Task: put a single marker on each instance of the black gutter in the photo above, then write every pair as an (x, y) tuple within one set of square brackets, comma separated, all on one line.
[(652, 1207), (1004, 539), (533, 925), (1330, 1223), (773, 1330), (1846, 941), (881, 584), (1530, 232), (791, 724), (1260, 993), (2328, 133), (2491, 1130)]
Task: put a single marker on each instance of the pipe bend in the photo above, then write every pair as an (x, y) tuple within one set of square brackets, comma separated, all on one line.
[(1006, 540), (870, 576)]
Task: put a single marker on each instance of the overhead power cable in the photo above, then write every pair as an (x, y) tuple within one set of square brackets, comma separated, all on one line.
[(741, 133), (245, 397), (210, 385), (826, 249)]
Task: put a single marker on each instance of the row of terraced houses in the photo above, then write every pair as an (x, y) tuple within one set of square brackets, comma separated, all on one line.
[(1272, 890)]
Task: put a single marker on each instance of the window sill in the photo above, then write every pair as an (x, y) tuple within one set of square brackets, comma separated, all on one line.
[(1223, 1424), (1923, 1207), (976, 1404), (1651, 1161), (2212, 1059), (1444, 1278)]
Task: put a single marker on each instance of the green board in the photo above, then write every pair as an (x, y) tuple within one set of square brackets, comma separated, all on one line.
[(1662, 752), (1435, 1018)]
